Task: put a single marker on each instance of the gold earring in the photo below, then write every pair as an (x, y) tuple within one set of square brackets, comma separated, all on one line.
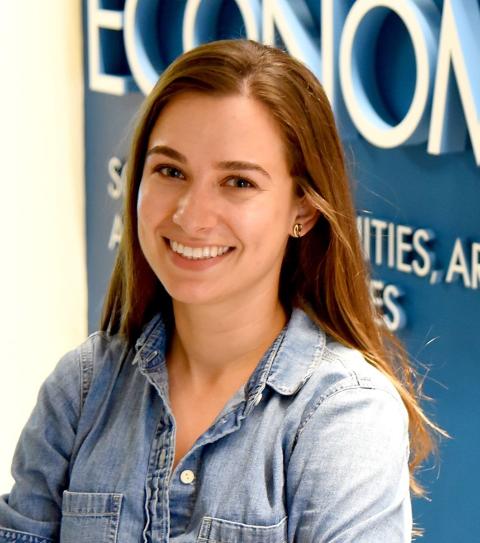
[(297, 230)]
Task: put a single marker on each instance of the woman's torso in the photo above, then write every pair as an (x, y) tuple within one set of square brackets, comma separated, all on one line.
[(247, 477)]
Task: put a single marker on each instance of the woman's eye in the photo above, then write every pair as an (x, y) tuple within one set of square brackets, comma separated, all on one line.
[(240, 183), (169, 171)]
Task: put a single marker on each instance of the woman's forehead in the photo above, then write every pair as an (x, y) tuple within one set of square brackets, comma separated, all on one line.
[(219, 125)]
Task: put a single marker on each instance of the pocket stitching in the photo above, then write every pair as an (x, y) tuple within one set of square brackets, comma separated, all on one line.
[(93, 514), (205, 533), (114, 509), (242, 525), (108, 508)]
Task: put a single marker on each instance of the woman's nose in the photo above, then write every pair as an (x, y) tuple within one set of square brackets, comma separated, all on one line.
[(196, 210)]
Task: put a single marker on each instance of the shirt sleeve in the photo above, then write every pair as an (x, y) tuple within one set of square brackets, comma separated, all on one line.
[(348, 477), (32, 510)]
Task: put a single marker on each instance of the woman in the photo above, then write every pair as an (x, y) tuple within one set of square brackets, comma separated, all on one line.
[(241, 389)]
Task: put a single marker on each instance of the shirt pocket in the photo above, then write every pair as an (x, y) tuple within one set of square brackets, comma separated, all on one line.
[(90, 517), (216, 530)]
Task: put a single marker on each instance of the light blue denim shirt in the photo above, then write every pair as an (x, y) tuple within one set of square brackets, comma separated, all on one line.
[(313, 449)]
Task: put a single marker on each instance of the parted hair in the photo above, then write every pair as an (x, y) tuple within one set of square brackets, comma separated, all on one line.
[(324, 272)]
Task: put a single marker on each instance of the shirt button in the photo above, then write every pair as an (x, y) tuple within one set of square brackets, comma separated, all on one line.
[(187, 476)]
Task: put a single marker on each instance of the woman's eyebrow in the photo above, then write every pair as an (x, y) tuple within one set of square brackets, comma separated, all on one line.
[(167, 151), (242, 165), (223, 165)]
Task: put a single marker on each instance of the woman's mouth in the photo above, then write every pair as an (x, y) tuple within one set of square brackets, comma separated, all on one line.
[(198, 253)]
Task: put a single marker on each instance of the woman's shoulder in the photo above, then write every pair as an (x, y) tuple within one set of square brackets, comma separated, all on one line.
[(347, 368), (312, 362), (344, 381), (350, 449), (320, 374), (101, 348), (97, 354)]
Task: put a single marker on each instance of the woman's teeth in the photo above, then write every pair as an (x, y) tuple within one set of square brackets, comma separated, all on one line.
[(197, 253)]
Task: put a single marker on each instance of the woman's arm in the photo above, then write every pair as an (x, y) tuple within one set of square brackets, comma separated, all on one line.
[(348, 478), (41, 460)]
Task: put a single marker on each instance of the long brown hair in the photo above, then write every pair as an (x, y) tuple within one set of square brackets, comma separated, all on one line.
[(323, 272)]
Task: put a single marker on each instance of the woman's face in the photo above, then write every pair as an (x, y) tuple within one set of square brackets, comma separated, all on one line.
[(216, 202)]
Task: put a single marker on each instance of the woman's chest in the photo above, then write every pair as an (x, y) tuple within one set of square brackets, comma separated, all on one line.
[(230, 487)]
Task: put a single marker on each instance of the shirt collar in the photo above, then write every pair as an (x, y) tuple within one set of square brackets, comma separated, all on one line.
[(285, 367), (298, 354), (151, 346)]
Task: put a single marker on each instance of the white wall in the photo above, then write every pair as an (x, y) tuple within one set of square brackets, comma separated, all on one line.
[(42, 238)]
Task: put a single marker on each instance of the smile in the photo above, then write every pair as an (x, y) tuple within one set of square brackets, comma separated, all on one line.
[(198, 253)]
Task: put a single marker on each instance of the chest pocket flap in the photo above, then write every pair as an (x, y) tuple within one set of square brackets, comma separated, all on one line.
[(215, 530), (91, 517)]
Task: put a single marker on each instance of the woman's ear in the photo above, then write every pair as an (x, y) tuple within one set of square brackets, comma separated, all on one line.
[(307, 215)]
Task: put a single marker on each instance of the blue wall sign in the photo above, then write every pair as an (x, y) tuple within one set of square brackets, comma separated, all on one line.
[(404, 81)]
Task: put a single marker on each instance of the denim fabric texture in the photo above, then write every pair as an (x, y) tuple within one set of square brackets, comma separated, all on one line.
[(313, 449)]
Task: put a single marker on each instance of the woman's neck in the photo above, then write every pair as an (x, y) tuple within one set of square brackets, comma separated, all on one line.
[(215, 342)]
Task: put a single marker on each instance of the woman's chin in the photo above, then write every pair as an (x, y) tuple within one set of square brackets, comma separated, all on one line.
[(193, 296)]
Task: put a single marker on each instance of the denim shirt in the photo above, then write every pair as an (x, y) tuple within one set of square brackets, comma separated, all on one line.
[(314, 448)]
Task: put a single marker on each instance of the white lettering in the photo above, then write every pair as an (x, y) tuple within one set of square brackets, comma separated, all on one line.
[(422, 266), (99, 80), (458, 265), (363, 22), (403, 247), (366, 238), (385, 298), (249, 9), (475, 264), (116, 171), (333, 15), (347, 40), (116, 232), (391, 245), (376, 290), (397, 319), (380, 227), (280, 14), (141, 66), (457, 55)]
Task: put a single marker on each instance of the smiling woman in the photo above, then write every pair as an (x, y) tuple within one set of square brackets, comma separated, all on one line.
[(241, 389), (195, 198)]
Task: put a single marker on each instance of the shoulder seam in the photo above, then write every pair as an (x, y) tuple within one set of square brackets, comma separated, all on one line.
[(86, 363), (343, 385), (86, 370)]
